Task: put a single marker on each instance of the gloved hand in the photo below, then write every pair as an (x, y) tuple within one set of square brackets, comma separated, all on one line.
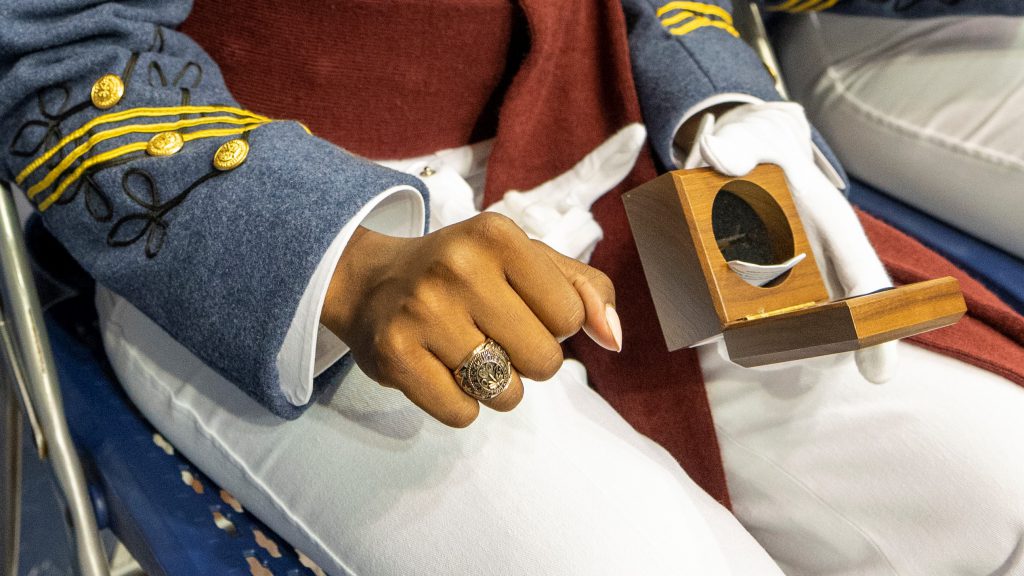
[(778, 133)]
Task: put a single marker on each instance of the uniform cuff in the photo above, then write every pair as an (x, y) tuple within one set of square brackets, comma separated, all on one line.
[(678, 154), (309, 348)]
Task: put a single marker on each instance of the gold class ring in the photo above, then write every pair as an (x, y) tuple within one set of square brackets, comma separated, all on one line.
[(486, 372)]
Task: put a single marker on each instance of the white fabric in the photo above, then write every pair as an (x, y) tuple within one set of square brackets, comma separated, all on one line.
[(365, 482), (556, 212), (309, 347), (778, 133), (834, 477), (679, 155), (929, 111)]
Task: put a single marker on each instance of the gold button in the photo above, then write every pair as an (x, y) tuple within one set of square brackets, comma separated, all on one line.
[(231, 154), (165, 144), (107, 91)]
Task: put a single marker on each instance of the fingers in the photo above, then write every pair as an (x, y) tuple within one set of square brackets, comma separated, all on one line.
[(454, 346), (438, 298), (506, 318), (596, 292), (536, 279), (429, 384), (563, 293), (843, 240), (878, 364)]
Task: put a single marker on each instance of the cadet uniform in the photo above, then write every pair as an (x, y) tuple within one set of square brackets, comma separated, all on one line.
[(213, 231)]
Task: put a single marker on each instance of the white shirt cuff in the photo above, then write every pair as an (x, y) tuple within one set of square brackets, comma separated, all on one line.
[(678, 154), (309, 348)]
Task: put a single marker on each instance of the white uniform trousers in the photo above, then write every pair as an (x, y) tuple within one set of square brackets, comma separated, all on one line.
[(834, 476), (365, 483)]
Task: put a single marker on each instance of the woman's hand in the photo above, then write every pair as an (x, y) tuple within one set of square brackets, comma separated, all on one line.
[(413, 309)]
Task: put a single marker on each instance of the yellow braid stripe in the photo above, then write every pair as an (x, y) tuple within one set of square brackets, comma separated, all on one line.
[(676, 18), (804, 6), (698, 7), (95, 139), (134, 147), (785, 6), (828, 4), (702, 22), (127, 115)]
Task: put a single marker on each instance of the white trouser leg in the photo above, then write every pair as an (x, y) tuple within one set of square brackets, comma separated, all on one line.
[(366, 483), (929, 110), (836, 476)]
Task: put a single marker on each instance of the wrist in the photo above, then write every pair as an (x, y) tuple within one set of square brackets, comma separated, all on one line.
[(362, 260)]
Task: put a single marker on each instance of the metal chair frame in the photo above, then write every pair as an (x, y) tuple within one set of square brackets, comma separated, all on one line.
[(29, 374)]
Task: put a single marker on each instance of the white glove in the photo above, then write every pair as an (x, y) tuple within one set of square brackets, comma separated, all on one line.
[(778, 133), (558, 211)]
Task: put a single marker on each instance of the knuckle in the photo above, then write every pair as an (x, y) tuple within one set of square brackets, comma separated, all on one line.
[(547, 361), (495, 227), (461, 415), (508, 399), (457, 260), (571, 319), (601, 281), (425, 301), (393, 347)]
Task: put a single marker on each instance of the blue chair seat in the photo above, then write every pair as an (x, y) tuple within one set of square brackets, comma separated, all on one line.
[(173, 519), (1001, 272)]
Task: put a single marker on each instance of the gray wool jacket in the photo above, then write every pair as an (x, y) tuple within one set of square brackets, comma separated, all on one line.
[(218, 252)]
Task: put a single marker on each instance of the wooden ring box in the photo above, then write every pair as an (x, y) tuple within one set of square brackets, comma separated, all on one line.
[(698, 297)]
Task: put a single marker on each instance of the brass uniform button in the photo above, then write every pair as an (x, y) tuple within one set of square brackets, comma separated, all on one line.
[(107, 92), (231, 154), (165, 144)]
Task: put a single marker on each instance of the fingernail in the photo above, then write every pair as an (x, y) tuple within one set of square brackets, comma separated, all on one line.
[(614, 325)]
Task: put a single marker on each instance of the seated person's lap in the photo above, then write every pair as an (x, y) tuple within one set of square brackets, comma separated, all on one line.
[(368, 483), (834, 475)]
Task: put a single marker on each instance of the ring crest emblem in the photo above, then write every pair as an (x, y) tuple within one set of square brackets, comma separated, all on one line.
[(486, 373)]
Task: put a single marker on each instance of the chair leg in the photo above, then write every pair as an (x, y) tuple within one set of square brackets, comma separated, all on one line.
[(10, 481), (32, 355)]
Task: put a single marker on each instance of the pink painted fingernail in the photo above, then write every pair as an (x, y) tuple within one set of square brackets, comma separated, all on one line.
[(614, 325)]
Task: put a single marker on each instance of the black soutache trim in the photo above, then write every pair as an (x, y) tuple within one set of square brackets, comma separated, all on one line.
[(141, 188), (129, 70), (97, 202), (158, 40), (48, 128), (150, 222), (187, 79)]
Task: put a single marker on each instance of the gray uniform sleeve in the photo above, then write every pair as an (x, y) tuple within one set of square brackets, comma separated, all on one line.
[(207, 217), (900, 8), (683, 53)]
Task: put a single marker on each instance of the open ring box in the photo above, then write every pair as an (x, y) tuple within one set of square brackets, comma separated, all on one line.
[(722, 256)]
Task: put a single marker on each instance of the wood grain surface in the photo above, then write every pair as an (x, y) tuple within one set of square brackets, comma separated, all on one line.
[(846, 325)]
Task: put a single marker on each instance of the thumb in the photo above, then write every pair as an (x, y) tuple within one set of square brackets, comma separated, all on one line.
[(598, 295), (727, 155), (878, 364)]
